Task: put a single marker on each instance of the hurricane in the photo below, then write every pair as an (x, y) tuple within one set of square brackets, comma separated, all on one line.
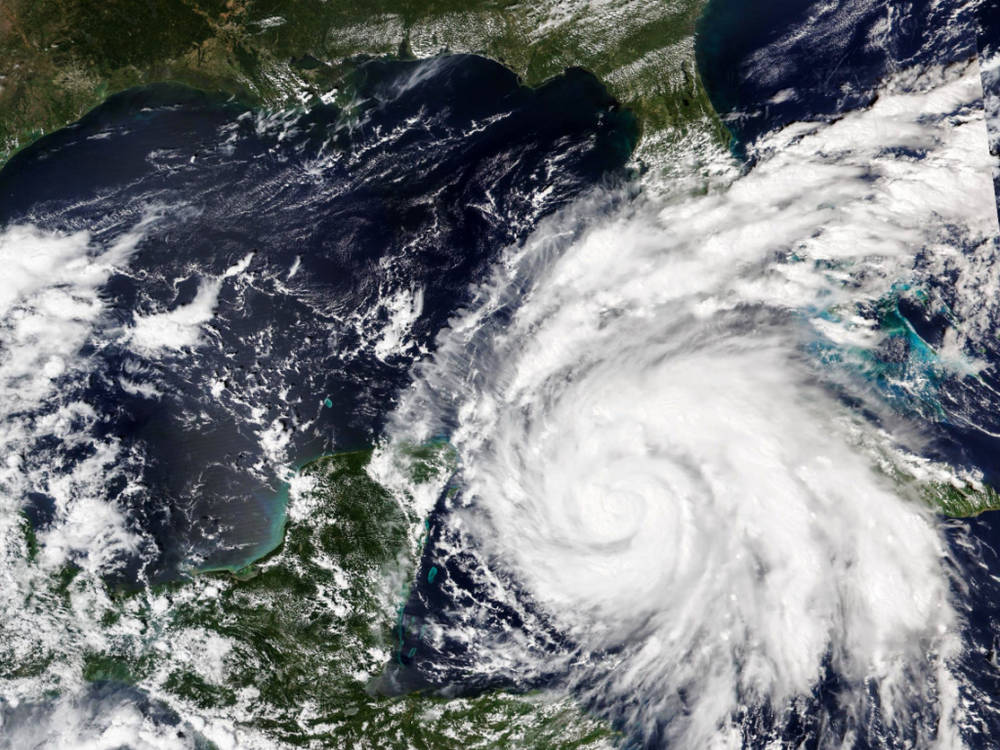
[(673, 444), (444, 411)]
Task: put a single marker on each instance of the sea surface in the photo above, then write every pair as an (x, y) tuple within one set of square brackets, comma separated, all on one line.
[(288, 269), (831, 84), (690, 441), (768, 65)]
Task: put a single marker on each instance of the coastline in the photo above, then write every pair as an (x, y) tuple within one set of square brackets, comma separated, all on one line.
[(643, 53)]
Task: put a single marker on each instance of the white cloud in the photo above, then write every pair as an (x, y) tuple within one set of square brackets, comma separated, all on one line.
[(648, 451), (181, 328)]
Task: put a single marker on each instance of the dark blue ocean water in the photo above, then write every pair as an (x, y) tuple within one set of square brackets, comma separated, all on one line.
[(433, 168), (768, 64)]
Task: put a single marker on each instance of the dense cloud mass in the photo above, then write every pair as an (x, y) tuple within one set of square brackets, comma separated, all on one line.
[(658, 453), (656, 448)]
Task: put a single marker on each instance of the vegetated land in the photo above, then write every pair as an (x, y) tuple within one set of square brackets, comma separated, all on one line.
[(307, 633), (59, 58), (962, 501)]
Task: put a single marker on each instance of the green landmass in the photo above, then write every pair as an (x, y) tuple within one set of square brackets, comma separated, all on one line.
[(952, 496), (962, 501), (60, 58), (303, 635), (294, 647)]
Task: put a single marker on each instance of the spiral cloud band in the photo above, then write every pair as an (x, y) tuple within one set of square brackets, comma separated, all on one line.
[(657, 447)]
